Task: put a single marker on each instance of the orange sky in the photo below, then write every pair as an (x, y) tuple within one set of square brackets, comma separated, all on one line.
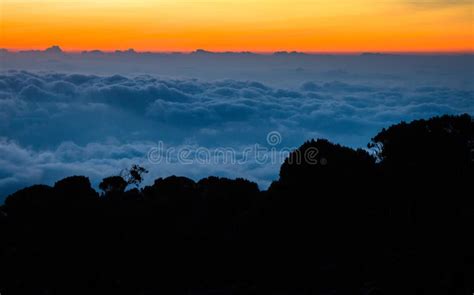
[(254, 25)]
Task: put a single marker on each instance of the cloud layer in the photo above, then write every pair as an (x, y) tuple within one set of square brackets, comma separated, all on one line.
[(56, 124)]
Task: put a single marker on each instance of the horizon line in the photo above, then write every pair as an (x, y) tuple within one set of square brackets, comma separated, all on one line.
[(262, 52)]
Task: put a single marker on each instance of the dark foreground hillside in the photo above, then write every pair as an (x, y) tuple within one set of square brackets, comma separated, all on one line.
[(339, 222)]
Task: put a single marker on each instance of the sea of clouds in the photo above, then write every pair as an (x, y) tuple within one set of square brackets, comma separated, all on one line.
[(59, 123)]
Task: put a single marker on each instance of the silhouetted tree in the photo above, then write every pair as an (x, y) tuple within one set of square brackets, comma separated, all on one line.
[(134, 175), (317, 162), (113, 185), (30, 200), (433, 146), (75, 189)]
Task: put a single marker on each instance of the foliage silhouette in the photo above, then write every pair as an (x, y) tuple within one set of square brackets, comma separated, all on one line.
[(342, 221), (134, 175), (113, 184)]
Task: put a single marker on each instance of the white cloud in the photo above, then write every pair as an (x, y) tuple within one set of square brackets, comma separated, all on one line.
[(53, 124)]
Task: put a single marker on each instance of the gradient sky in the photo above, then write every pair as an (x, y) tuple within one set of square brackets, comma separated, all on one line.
[(254, 25)]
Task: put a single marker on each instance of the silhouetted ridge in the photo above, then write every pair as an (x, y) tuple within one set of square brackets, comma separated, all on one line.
[(395, 220)]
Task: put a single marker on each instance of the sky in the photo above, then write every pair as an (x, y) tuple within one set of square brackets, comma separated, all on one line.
[(239, 25), (95, 114)]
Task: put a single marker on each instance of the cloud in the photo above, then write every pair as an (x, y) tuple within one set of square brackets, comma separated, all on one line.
[(58, 124), (23, 166)]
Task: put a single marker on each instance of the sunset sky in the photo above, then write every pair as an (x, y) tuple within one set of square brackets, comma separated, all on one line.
[(235, 25)]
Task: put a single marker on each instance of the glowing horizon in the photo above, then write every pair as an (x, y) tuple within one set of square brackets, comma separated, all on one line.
[(349, 26)]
